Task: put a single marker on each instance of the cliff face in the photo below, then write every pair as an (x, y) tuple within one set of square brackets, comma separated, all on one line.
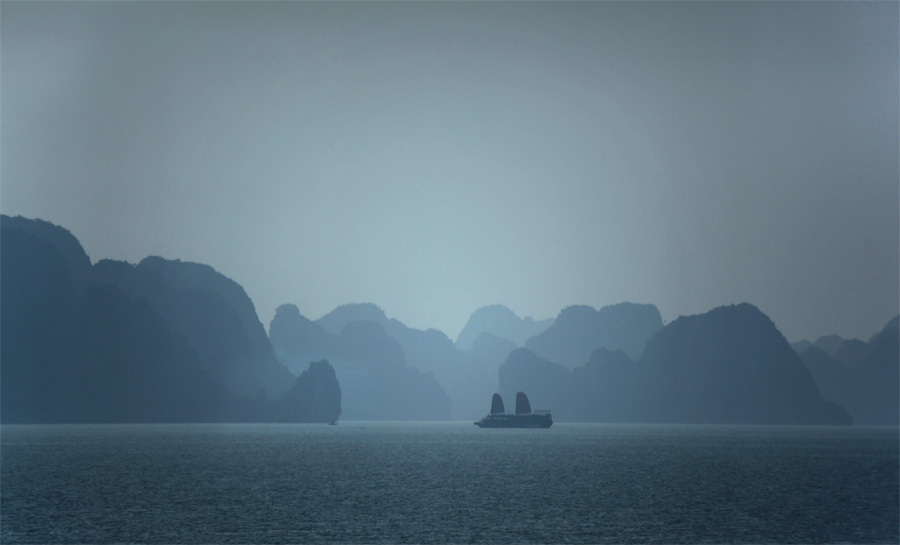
[(133, 368), (229, 316), (314, 397), (730, 365), (158, 342), (38, 306), (90, 355), (213, 312)]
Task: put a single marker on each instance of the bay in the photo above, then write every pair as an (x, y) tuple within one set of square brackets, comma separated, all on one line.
[(367, 482)]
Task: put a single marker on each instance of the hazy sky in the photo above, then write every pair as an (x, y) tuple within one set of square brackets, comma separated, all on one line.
[(436, 157)]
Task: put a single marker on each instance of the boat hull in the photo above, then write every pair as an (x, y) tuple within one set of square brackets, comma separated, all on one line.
[(531, 420)]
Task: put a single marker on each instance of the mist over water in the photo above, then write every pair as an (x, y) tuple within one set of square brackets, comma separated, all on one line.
[(678, 212), (448, 482)]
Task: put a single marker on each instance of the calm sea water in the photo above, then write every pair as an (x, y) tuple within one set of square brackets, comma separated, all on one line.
[(447, 482)]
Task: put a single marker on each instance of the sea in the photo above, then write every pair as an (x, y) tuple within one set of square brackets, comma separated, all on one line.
[(448, 482)]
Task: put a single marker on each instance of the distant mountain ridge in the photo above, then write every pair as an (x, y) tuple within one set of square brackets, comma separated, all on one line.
[(430, 351), (163, 341), (377, 381), (728, 366), (861, 376), (213, 312), (732, 365), (580, 329), (502, 322), (173, 341)]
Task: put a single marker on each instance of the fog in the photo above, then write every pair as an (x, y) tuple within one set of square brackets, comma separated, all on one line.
[(436, 157)]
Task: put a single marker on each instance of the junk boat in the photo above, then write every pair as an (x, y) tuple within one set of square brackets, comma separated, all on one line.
[(523, 417)]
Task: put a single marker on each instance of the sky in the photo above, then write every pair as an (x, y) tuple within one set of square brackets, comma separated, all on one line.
[(435, 157)]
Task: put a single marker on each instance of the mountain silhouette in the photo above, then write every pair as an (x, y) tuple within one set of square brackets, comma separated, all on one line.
[(480, 379), (397, 391), (37, 311), (173, 341), (829, 343), (334, 321), (76, 260), (580, 329), (201, 285), (429, 351), (314, 397), (213, 312), (863, 377), (610, 387), (549, 384), (125, 345), (297, 341), (490, 351), (501, 322), (93, 355), (850, 352), (135, 369), (376, 381), (728, 366), (830, 374)]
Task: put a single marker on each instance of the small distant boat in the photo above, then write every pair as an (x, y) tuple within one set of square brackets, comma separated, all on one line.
[(523, 417), (333, 423)]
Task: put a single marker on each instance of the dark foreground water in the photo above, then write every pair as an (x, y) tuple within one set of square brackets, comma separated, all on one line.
[(447, 482)]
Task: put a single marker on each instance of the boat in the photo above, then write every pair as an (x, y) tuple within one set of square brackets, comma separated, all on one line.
[(522, 418)]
